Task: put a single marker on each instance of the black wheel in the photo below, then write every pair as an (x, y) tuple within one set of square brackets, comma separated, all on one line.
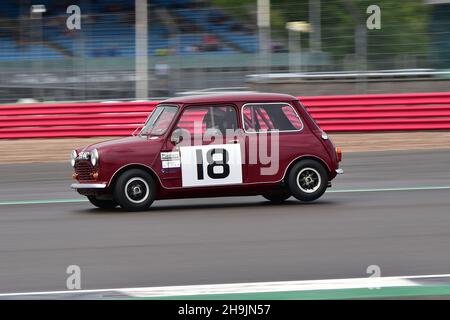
[(307, 180), (277, 196), (102, 203), (135, 190)]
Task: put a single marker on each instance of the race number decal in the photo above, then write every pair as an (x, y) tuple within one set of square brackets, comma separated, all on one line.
[(211, 165)]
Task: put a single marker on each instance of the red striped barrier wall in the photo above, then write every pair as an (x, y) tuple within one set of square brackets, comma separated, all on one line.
[(72, 119), (344, 113)]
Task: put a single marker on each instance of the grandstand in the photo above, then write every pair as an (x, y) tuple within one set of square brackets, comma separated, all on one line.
[(200, 44), (185, 27)]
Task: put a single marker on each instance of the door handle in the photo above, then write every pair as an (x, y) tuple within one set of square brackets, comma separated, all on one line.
[(233, 141)]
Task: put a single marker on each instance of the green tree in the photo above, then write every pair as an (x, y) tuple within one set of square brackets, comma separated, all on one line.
[(404, 24)]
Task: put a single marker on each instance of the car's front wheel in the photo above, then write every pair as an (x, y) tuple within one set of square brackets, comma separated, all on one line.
[(308, 180), (102, 203), (135, 190)]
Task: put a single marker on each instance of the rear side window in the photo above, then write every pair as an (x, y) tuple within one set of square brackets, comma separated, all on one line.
[(270, 116)]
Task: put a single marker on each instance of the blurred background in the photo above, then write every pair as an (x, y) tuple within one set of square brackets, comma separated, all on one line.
[(138, 49)]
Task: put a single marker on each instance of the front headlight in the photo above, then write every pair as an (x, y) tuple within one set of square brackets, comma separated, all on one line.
[(73, 156), (94, 157)]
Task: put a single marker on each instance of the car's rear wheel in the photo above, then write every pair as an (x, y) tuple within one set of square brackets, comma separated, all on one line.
[(135, 190), (308, 180), (102, 203), (277, 196)]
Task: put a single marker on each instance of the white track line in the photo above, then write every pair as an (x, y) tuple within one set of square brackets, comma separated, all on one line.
[(252, 287), (53, 201)]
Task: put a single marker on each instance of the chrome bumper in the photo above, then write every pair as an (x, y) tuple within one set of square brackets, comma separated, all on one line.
[(88, 185), (340, 171)]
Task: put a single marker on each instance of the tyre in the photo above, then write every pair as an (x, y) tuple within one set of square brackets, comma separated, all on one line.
[(307, 180), (135, 190), (277, 196), (101, 203)]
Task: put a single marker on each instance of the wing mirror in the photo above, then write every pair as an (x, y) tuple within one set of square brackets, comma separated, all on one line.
[(177, 136)]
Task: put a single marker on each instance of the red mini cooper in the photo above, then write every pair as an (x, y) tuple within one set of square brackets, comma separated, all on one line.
[(217, 145)]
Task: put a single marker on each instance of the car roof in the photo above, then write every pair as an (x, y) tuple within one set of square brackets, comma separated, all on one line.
[(232, 97)]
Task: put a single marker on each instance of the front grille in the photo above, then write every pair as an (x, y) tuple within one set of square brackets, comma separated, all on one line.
[(84, 169)]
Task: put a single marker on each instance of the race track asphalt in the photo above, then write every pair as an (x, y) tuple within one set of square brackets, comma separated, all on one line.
[(361, 222)]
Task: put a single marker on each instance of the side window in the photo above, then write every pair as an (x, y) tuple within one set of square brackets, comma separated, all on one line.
[(271, 116), (293, 117), (204, 119)]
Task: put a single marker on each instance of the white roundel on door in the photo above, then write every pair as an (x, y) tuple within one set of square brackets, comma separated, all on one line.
[(209, 165)]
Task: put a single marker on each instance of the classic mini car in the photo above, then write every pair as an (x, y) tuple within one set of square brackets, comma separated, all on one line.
[(234, 144)]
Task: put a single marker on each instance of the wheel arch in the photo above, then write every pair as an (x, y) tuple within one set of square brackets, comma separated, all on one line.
[(307, 157), (130, 166)]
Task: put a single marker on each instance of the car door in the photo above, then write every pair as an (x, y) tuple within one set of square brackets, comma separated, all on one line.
[(209, 153)]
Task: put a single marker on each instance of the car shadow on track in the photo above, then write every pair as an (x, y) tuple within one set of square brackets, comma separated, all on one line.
[(208, 206)]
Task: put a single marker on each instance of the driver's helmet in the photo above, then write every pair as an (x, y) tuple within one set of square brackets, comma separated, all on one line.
[(219, 119)]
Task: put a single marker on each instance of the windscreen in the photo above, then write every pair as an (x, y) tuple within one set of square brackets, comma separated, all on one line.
[(159, 121)]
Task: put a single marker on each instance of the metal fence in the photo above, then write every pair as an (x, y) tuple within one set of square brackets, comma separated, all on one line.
[(205, 46)]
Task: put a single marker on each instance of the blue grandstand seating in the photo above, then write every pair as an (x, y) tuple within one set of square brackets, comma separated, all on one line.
[(10, 50), (247, 42), (109, 35)]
